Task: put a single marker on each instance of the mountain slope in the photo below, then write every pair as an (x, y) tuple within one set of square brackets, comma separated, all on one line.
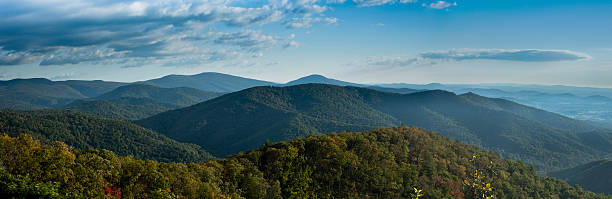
[(38, 93), (35, 94), (180, 96), (137, 101), (122, 108), (87, 132), (92, 88), (384, 163), (242, 120), (595, 176), (214, 82)]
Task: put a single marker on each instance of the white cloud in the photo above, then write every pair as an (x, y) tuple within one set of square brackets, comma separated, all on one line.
[(367, 3), (439, 5), (292, 44), (247, 39), (521, 55), (335, 1), (71, 31), (306, 22)]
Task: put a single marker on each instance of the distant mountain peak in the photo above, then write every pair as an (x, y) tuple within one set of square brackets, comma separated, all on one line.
[(320, 79), (314, 76), (208, 81)]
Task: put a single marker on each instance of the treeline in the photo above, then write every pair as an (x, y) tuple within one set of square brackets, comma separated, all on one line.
[(384, 163), (88, 132)]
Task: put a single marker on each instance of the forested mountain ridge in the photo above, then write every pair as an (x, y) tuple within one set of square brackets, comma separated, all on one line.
[(383, 163), (209, 81), (180, 96), (243, 120), (87, 132), (137, 101), (122, 108), (38, 93), (594, 176)]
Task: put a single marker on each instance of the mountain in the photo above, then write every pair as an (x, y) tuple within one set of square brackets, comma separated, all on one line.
[(590, 104), (319, 79), (243, 120), (394, 90), (385, 163), (213, 82), (86, 132), (35, 94), (137, 101), (122, 108), (92, 88), (181, 96), (38, 93), (595, 176)]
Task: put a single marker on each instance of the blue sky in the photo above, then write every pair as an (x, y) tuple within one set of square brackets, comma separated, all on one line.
[(367, 41)]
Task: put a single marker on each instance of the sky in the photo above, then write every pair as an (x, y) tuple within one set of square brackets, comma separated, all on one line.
[(547, 42)]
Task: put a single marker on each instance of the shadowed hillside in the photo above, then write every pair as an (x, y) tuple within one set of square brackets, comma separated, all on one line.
[(86, 132), (244, 120)]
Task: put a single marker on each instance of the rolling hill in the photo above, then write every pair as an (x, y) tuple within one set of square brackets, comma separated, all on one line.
[(180, 97), (38, 93), (121, 108), (214, 82), (594, 176), (86, 132), (384, 163), (137, 101), (243, 120)]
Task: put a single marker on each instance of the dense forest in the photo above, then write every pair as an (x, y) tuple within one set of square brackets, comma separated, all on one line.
[(397, 162), (137, 101), (594, 176), (244, 120), (88, 132), (122, 108), (38, 93), (180, 97)]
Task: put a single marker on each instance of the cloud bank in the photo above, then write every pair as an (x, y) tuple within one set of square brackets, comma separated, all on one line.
[(515, 55), (73, 31)]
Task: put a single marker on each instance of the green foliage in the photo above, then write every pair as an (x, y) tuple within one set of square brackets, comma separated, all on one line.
[(594, 176), (384, 163), (87, 132), (243, 120), (123, 108), (479, 179)]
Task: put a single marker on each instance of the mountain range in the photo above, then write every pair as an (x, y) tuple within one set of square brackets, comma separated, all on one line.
[(210, 81), (590, 104), (137, 101), (38, 93), (226, 114), (244, 120)]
